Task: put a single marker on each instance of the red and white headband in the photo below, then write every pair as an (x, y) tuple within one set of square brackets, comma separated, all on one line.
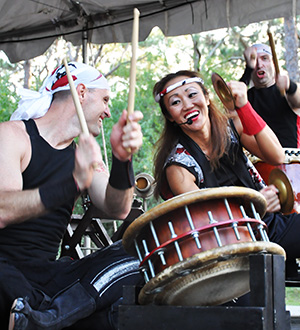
[(35, 104), (178, 84)]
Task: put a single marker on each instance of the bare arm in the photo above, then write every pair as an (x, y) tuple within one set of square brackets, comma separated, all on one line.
[(180, 179), (293, 97), (16, 205), (125, 140), (250, 58), (264, 145)]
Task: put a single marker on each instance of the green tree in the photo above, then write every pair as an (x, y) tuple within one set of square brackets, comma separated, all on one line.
[(8, 95)]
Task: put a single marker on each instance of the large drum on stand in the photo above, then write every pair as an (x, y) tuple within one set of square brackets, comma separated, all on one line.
[(285, 177), (194, 248)]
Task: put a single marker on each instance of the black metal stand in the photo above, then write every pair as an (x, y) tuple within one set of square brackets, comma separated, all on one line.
[(265, 309), (90, 224)]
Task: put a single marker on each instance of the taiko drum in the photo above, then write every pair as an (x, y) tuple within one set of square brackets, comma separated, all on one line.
[(194, 243)]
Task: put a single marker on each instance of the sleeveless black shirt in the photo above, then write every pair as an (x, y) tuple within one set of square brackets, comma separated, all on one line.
[(276, 112), (40, 238)]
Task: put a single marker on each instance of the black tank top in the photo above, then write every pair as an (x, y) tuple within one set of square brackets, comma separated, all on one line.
[(40, 238), (276, 112)]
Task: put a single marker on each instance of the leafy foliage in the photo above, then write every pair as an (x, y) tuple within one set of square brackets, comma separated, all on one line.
[(8, 96)]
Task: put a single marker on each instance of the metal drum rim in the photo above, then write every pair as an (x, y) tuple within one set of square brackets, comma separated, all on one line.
[(168, 276)]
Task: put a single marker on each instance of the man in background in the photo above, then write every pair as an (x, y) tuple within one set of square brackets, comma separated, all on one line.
[(276, 98)]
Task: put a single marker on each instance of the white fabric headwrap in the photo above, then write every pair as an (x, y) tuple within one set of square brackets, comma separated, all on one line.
[(35, 104)]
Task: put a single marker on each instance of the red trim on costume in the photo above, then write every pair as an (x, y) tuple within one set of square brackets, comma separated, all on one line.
[(54, 70), (169, 244), (97, 77), (63, 81), (181, 150)]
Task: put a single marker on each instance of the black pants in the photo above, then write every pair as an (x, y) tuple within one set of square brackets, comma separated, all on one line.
[(290, 241), (102, 274), (285, 231)]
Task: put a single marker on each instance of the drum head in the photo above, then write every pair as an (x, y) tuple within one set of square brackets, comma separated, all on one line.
[(208, 278)]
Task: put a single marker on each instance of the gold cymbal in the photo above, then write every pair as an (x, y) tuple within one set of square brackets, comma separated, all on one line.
[(286, 195), (223, 91)]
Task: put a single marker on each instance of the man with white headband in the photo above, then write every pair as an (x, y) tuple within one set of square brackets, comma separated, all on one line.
[(276, 98), (42, 173)]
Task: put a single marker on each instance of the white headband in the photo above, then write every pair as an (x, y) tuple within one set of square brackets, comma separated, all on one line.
[(262, 49), (36, 104), (178, 84)]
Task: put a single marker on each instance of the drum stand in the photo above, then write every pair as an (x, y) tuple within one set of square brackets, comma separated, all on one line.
[(90, 225), (265, 309)]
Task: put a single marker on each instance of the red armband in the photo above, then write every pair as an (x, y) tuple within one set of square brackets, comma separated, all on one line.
[(250, 119)]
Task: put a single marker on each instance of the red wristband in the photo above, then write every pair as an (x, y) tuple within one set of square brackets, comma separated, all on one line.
[(251, 120)]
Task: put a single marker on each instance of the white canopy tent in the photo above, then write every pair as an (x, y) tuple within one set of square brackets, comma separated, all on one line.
[(29, 27)]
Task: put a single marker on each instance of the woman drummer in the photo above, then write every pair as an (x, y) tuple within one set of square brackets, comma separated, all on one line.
[(202, 147)]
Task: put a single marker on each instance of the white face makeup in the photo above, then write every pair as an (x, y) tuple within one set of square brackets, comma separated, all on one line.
[(186, 104)]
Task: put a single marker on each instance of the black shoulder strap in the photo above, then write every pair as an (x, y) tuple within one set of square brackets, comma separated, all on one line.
[(236, 155), (31, 127), (240, 159), (209, 179)]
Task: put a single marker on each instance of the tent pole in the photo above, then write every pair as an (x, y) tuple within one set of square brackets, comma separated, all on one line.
[(84, 46)]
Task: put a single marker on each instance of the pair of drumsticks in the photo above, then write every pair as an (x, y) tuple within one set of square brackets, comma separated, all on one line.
[(131, 95)]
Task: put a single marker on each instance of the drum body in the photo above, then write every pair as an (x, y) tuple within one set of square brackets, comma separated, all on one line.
[(291, 168), (194, 248)]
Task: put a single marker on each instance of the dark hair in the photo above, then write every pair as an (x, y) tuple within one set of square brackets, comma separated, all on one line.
[(61, 95), (169, 136)]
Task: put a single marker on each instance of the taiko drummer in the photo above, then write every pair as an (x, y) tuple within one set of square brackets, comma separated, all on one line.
[(43, 172), (202, 147)]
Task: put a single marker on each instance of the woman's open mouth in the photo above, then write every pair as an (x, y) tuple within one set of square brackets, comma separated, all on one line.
[(192, 115)]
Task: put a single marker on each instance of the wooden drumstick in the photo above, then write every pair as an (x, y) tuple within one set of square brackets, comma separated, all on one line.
[(134, 46), (272, 45), (132, 78), (275, 60), (78, 107), (80, 114)]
